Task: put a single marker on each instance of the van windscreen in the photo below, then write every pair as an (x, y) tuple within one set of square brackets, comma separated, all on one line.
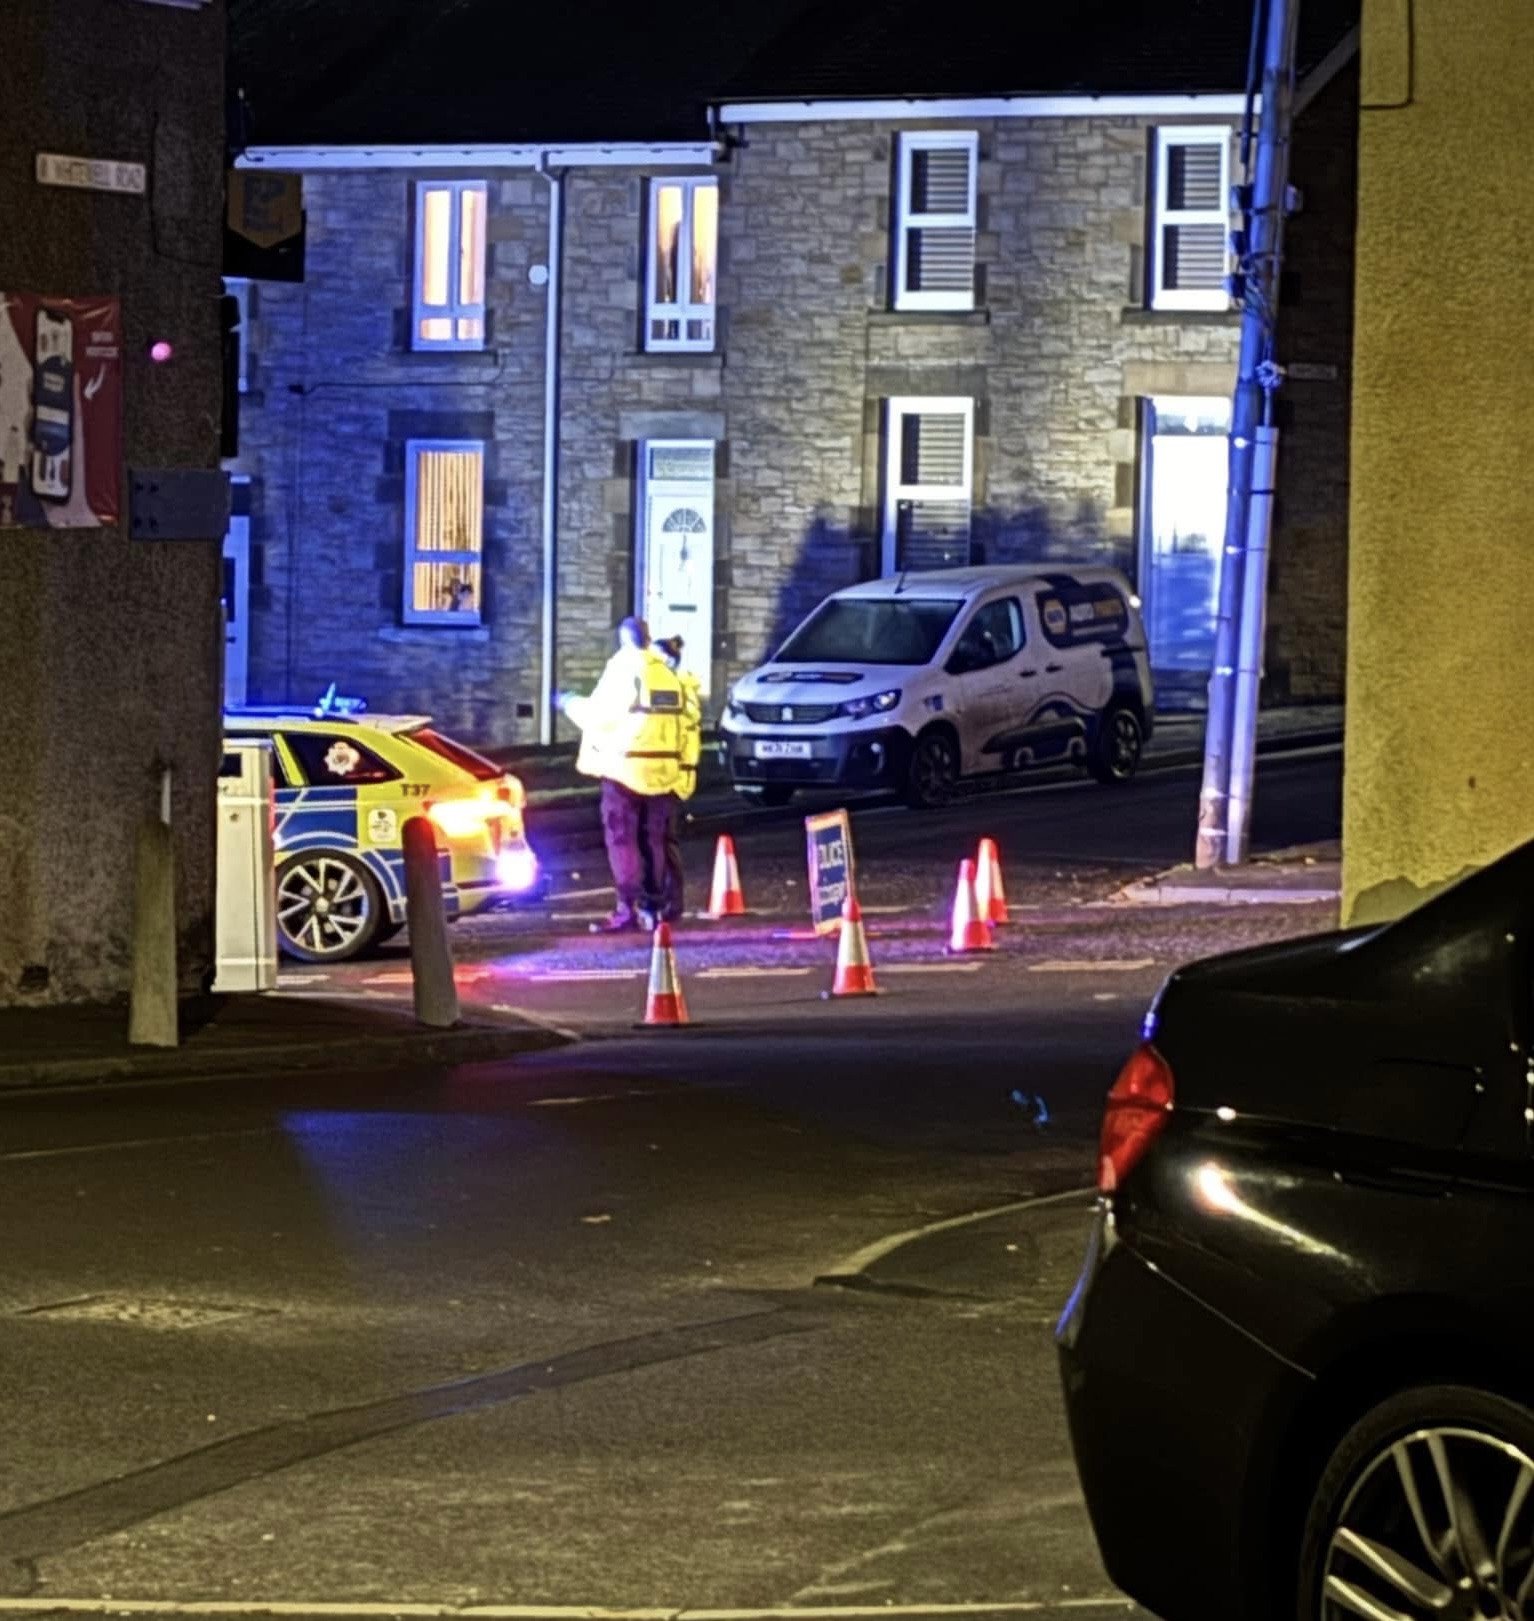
[(871, 630)]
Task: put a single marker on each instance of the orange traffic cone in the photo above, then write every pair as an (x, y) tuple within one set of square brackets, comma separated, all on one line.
[(990, 895), (971, 932), (665, 1003), (726, 898), (854, 972)]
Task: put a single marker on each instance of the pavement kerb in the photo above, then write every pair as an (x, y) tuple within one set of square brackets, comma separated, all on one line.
[(466, 1044), (1151, 893)]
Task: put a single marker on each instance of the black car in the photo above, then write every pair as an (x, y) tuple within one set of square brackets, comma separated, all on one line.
[(1299, 1364)]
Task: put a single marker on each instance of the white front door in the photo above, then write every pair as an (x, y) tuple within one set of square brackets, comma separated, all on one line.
[(676, 549), (237, 606)]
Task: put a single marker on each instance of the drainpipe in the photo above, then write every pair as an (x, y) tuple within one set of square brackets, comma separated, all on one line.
[(550, 451)]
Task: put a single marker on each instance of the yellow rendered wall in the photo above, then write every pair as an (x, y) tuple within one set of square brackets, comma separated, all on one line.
[(1440, 688)]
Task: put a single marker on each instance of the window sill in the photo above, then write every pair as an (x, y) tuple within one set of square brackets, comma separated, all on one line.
[(689, 359), (479, 359), (929, 317), (1132, 315), (427, 635)]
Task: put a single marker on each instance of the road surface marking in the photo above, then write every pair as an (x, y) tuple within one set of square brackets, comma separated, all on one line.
[(548, 1612), (579, 976), (139, 1142), (285, 980), (1092, 965), (581, 894), (861, 1260), (537, 1020), (337, 996), (749, 973), (930, 967)]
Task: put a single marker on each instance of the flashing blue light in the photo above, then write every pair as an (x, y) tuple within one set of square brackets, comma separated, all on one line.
[(517, 868), (331, 703)]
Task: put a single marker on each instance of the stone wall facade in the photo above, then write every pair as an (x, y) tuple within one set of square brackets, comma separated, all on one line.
[(1057, 356), (110, 645)]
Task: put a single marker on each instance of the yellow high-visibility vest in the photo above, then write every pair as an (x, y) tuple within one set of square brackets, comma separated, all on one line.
[(692, 732), (631, 725)]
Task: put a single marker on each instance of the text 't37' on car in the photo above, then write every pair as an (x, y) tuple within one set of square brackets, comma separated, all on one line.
[(1297, 1364), (914, 682), (345, 786)]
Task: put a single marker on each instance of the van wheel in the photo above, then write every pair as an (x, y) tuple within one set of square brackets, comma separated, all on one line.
[(933, 772), (1117, 747)]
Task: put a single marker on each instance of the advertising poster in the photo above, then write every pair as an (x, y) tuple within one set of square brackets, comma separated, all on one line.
[(60, 412)]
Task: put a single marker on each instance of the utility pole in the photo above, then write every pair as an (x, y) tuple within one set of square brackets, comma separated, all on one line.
[(1259, 251)]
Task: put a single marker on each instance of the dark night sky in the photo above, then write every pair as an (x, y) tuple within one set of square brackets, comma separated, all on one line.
[(501, 70)]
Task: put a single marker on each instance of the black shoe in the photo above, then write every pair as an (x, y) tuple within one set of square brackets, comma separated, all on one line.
[(618, 923)]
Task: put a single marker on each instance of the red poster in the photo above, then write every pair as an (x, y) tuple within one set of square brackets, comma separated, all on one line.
[(60, 411)]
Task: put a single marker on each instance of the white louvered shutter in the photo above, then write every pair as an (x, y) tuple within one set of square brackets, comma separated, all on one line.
[(935, 253), (1192, 219)]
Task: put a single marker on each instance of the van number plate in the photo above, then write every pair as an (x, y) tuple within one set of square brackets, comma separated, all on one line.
[(774, 749)]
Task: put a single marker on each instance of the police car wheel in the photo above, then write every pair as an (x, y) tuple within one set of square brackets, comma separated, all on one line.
[(934, 769), (328, 907), (1116, 751)]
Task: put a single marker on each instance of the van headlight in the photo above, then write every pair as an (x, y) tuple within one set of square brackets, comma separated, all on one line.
[(881, 703)]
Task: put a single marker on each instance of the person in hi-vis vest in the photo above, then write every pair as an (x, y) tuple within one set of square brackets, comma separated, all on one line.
[(692, 752), (631, 738)]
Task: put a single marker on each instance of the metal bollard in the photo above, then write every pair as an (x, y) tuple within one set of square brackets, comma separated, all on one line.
[(431, 958), (152, 1015)]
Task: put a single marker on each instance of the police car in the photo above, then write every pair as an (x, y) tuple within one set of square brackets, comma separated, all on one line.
[(346, 783), (916, 681)]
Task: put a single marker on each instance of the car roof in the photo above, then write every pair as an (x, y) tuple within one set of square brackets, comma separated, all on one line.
[(299, 720), (963, 583)]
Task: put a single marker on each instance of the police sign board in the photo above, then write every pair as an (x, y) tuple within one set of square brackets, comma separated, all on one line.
[(828, 842)]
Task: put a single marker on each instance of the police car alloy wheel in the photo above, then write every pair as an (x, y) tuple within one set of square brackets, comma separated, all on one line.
[(328, 907)]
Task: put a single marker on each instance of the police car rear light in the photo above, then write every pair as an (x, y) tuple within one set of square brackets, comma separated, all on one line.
[(513, 792), (467, 818)]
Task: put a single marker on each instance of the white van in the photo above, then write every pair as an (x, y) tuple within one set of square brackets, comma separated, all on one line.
[(914, 682)]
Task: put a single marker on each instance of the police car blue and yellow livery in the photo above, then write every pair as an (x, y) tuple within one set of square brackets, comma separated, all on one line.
[(346, 783)]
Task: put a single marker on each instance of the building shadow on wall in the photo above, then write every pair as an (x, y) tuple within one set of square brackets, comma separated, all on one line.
[(831, 556)]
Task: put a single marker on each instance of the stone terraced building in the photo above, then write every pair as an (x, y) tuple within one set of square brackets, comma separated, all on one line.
[(868, 299)]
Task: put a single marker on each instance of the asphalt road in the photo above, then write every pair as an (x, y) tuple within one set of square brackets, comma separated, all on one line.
[(751, 1317)]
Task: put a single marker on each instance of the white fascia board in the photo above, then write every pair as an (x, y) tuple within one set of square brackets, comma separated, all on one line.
[(802, 112), (582, 155)]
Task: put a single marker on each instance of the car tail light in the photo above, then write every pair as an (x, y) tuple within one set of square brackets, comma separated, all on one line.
[(1137, 1109), (512, 792), (467, 818)]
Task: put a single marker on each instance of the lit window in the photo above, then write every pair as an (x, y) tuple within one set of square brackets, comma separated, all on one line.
[(935, 221), (928, 483), (683, 264), (238, 288), (449, 308), (1190, 233), (444, 531)]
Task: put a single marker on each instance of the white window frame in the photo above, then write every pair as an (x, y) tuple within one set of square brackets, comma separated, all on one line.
[(682, 310), (454, 310), (415, 553), (907, 221), (1162, 216), (896, 408)]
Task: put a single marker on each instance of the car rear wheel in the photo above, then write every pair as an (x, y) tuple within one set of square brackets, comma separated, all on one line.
[(1426, 1509), (933, 773), (1117, 748), (328, 907)]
